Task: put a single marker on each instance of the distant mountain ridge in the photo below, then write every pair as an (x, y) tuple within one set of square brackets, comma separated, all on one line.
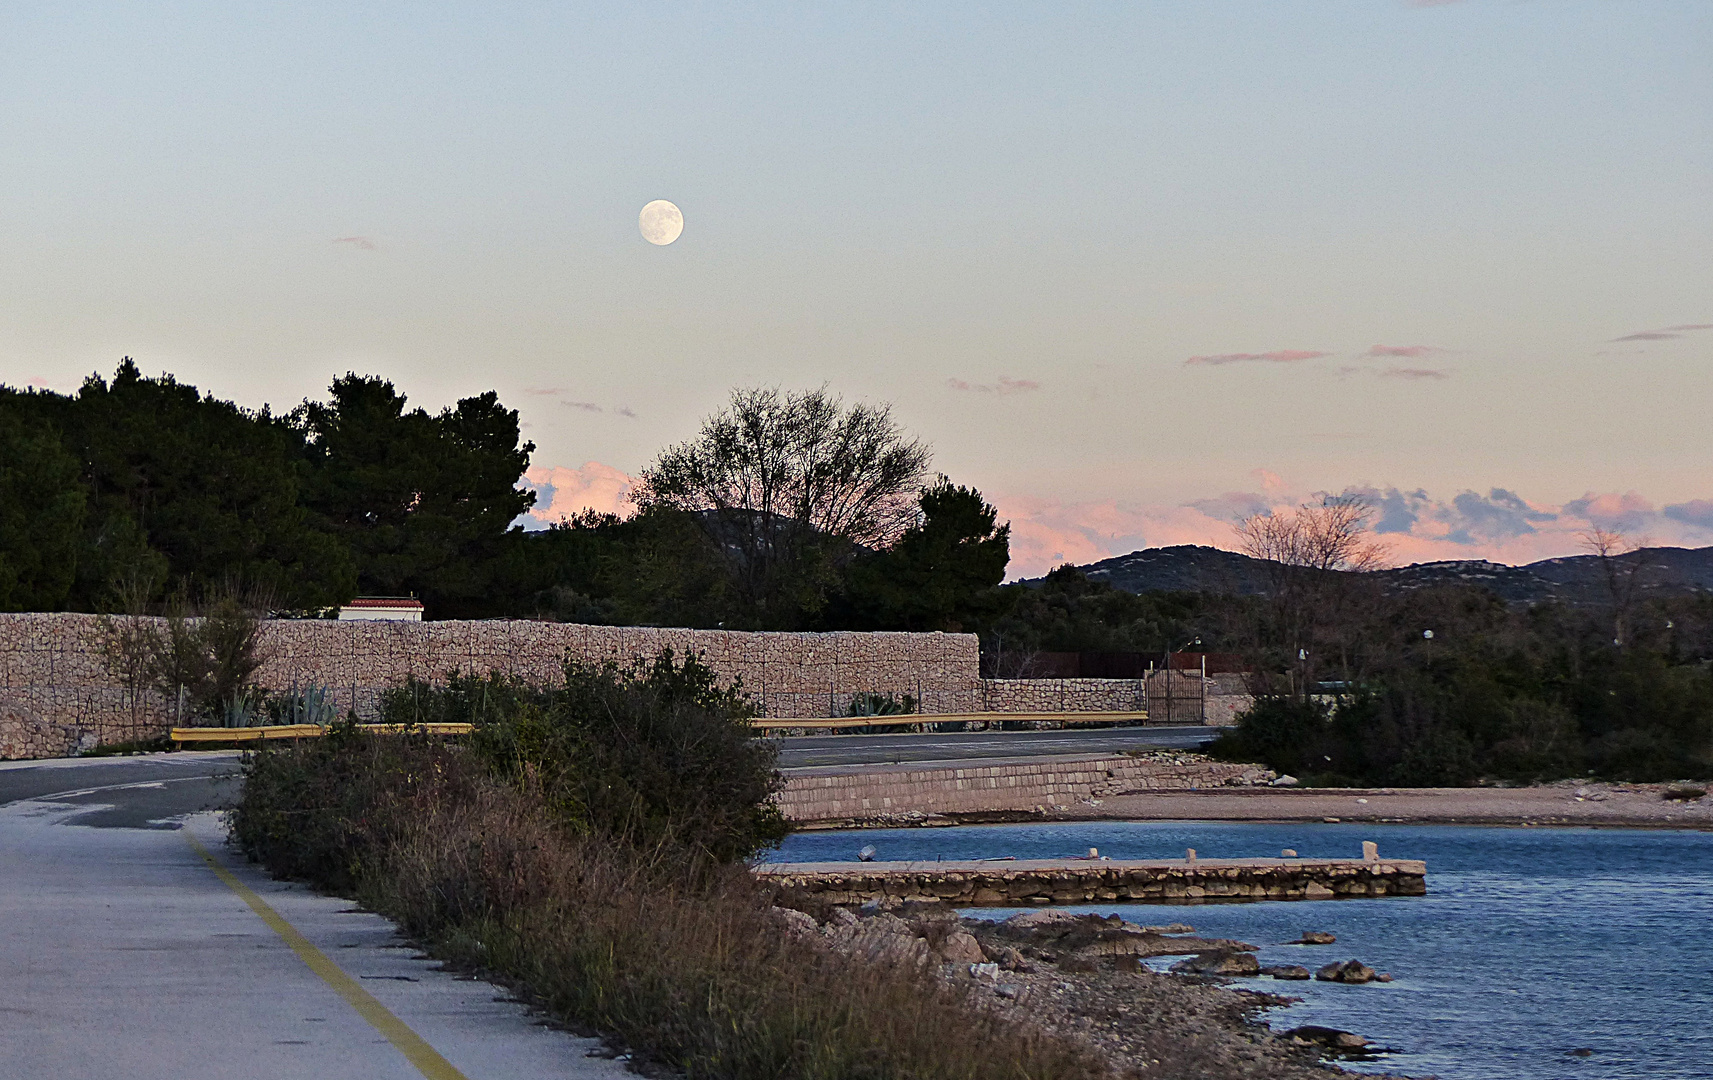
[(1575, 579)]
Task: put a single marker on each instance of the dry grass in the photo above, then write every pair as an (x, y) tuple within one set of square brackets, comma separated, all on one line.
[(678, 959)]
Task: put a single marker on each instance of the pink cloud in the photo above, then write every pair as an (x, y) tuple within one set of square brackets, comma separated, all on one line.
[(1003, 387), (545, 391), (1628, 511), (1415, 373), (1646, 335), (1269, 480), (1408, 352), (362, 243), (1500, 525), (562, 492), (585, 406), (1279, 356)]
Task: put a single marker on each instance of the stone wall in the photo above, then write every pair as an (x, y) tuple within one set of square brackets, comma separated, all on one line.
[(1026, 883), (1062, 695), (25, 735), (1219, 697), (871, 792), (57, 692)]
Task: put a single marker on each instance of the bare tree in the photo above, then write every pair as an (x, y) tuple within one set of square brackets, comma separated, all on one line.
[(202, 660), (1622, 575), (775, 475), (1312, 559)]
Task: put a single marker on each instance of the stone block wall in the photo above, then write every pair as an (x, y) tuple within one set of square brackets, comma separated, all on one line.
[(862, 793)]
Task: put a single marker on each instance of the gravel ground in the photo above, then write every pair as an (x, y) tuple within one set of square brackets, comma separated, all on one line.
[(1563, 803)]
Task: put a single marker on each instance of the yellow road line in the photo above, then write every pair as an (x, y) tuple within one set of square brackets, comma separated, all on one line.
[(427, 1060)]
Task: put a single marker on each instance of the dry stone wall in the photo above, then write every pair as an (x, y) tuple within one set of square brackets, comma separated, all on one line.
[(1189, 699), (57, 691), (1062, 695)]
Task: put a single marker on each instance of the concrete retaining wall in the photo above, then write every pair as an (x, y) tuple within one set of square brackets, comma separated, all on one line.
[(870, 792)]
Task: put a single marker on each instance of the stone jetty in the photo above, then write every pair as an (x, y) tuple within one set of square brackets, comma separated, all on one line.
[(1017, 883)]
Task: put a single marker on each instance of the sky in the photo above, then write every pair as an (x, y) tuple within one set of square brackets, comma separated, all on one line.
[(1133, 269)]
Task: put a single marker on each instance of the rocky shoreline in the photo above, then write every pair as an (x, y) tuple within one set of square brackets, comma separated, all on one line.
[(1083, 977)]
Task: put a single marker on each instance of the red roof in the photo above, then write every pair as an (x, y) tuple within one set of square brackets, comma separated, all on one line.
[(405, 602)]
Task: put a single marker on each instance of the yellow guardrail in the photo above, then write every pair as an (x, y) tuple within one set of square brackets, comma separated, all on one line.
[(310, 731), (302, 731), (949, 718)]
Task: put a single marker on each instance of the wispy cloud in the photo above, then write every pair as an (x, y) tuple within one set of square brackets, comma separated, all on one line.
[(362, 243), (624, 411), (1278, 356), (1405, 352), (1666, 334), (1416, 373), (585, 406), (1003, 387), (544, 391)]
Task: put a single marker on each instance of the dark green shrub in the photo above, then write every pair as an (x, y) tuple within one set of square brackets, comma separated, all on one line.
[(1286, 734), (655, 753)]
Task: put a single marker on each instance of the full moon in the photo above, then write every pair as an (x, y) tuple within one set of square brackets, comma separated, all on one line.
[(661, 222)]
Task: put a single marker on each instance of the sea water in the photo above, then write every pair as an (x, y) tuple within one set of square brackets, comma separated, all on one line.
[(1530, 943)]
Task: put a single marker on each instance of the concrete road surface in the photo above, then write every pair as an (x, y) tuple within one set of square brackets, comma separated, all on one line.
[(806, 750), (125, 952)]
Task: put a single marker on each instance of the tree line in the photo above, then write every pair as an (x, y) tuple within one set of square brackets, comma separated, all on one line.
[(785, 511), (1450, 686)]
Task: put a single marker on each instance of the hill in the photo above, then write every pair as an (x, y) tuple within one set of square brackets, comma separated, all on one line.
[(1576, 579)]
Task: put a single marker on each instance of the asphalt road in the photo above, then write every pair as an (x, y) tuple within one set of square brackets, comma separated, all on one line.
[(808, 750), (124, 951)]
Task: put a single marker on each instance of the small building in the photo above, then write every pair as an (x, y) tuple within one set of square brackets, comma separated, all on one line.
[(383, 609)]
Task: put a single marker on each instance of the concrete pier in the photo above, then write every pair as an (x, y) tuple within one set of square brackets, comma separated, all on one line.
[(988, 883)]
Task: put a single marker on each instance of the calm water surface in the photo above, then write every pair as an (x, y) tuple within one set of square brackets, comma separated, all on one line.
[(1530, 942)]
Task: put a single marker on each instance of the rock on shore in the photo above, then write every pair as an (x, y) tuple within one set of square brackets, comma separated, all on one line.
[(1080, 975)]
